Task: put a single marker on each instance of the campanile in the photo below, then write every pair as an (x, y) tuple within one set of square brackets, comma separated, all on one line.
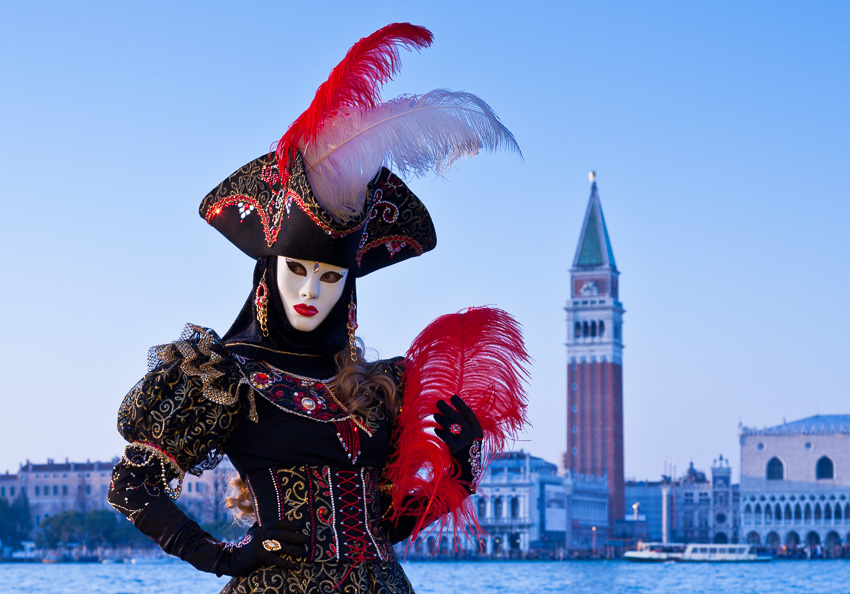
[(595, 359)]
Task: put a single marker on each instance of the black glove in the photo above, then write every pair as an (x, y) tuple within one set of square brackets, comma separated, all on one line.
[(135, 493), (465, 442), (462, 419)]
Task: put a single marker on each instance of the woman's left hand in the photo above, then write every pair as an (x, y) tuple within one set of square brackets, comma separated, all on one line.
[(459, 425)]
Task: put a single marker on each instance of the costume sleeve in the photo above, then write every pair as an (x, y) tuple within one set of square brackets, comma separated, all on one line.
[(176, 420), (180, 414)]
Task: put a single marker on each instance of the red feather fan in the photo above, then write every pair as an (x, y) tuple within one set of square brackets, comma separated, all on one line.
[(479, 355), (355, 82)]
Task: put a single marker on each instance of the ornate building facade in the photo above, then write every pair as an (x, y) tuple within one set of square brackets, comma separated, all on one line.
[(699, 508), (527, 509), (795, 484), (595, 360)]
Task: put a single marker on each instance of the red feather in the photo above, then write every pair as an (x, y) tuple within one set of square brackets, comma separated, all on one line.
[(479, 355), (355, 82)]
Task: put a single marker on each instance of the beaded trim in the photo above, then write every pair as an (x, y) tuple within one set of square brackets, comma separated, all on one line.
[(333, 511), (253, 499), (400, 241), (155, 452), (475, 465), (322, 384), (366, 514), (129, 513)]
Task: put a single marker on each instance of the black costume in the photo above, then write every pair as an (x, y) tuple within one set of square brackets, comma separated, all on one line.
[(328, 511)]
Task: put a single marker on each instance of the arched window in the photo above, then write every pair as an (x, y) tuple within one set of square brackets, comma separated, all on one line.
[(837, 511), (777, 514), (788, 512), (585, 329), (497, 507), (827, 512), (792, 539), (775, 470), (768, 514), (825, 469), (601, 328), (798, 512), (748, 514), (593, 328), (482, 507), (515, 507), (577, 330), (847, 512), (758, 513), (753, 538), (818, 514), (772, 540), (807, 513)]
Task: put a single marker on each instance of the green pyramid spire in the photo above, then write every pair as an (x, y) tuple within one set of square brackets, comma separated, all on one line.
[(594, 248)]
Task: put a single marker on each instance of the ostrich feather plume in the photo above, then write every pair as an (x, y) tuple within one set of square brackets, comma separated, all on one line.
[(354, 82), (479, 355), (411, 135)]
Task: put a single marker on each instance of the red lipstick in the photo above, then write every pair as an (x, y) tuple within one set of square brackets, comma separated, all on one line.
[(305, 310)]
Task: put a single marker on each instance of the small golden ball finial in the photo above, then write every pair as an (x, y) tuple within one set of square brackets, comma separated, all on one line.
[(591, 176)]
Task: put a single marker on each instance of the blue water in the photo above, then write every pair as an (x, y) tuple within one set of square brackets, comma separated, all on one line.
[(469, 578)]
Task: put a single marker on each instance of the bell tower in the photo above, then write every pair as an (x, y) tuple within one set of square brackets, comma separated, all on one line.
[(595, 359)]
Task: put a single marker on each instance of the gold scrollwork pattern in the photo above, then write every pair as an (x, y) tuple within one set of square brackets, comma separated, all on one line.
[(323, 578), (188, 403)]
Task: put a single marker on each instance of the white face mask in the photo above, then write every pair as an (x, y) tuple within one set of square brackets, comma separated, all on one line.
[(309, 290)]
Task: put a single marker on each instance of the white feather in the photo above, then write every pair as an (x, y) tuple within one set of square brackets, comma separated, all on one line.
[(411, 135)]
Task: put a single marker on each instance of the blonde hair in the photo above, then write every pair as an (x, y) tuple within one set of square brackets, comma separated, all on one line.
[(358, 384)]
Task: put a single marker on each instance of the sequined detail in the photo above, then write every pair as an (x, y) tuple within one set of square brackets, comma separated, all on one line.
[(475, 465), (260, 380), (311, 398)]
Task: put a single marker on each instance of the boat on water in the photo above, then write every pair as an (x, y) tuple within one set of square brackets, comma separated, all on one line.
[(660, 552), (656, 552)]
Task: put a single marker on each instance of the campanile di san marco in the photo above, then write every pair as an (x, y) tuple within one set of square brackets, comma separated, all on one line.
[(595, 359)]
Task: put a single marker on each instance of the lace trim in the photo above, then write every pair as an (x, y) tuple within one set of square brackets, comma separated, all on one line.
[(201, 361)]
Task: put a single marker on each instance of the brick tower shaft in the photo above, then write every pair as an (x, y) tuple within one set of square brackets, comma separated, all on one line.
[(595, 361)]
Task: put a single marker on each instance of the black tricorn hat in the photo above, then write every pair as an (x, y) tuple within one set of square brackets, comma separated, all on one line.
[(262, 217)]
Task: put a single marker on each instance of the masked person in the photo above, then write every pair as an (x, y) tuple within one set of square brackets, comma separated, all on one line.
[(338, 458)]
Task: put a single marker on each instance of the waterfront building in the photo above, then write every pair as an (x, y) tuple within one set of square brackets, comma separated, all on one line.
[(693, 506), (527, 509), (54, 487), (699, 508), (795, 484), (9, 487), (645, 502), (595, 360), (587, 512), (724, 519), (522, 505)]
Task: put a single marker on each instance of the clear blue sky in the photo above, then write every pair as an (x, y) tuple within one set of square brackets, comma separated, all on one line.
[(719, 132)]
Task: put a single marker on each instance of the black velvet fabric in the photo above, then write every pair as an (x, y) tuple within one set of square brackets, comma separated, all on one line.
[(306, 353)]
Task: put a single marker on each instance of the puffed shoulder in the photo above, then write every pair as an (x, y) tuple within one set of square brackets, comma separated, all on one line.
[(187, 404)]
